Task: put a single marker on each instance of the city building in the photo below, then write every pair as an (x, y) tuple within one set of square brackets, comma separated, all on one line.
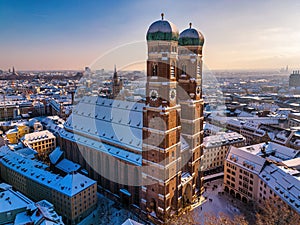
[(289, 138), (253, 133), (294, 119), (74, 196), (41, 213), (263, 171), (44, 142), (11, 203), (154, 146), (294, 79), (13, 135), (15, 208), (215, 149)]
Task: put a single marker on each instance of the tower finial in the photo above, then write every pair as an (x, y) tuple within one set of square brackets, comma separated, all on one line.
[(162, 16), (190, 25)]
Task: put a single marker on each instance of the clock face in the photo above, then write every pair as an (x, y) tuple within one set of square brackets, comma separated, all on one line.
[(198, 90), (153, 95), (172, 94)]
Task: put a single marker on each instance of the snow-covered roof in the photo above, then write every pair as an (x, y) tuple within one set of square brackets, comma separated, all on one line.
[(43, 213), (292, 163), (27, 152), (115, 121), (38, 136), (222, 139), (245, 159), (12, 131), (281, 152), (12, 200), (273, 151), (208, 126), (235, 122), (55, 155), (285, 182), (35, 170), (67, 166), (253, 149), (131, 222)]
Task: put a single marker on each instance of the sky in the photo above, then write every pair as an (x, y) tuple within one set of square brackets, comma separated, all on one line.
[(72, 34)]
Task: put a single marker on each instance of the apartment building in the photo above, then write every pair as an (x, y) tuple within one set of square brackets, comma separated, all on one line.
[(16, 208), (294, 120), (44, 142), (216, 148), (13, 135), (263, 172), (253, 133), (11, 203), (74, 195)]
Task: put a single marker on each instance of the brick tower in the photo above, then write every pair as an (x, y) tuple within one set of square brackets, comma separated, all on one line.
[(190, 98), (172, 120), (161, 123)]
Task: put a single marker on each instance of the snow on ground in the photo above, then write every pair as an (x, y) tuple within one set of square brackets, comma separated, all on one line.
[(109, 212), (216, 202)]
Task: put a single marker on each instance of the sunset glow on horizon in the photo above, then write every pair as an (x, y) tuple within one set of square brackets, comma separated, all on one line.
[(52, 35)]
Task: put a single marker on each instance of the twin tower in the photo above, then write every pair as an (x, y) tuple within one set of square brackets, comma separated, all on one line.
[(172, 120)]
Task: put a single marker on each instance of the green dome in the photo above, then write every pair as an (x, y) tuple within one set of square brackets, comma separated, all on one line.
[(191, 36), (162, 30)]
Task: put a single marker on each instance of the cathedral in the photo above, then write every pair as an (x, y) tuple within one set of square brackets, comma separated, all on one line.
[(147, 154)]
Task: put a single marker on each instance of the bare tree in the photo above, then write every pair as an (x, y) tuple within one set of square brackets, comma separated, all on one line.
[(185, 218), (276, 212), (223, 219)]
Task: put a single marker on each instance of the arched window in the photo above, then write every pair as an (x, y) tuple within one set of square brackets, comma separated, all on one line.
[(154, 70), (183, 69), (172, 70), (198, 70)]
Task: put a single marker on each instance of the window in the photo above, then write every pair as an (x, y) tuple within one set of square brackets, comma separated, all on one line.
[(183, 69), (154, 70), (172, 70), (198, 70)]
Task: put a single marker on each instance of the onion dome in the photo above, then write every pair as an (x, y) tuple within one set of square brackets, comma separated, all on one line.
[(162, 30), (191, 36)]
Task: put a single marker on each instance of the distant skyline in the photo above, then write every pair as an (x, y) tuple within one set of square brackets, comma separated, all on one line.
[(72, 34)]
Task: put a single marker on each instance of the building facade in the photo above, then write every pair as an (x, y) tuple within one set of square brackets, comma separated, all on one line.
[(268, 172), (13, 135), (44, 142), (216, 148)]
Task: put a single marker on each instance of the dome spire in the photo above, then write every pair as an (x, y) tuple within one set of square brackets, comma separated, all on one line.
[(162, 16), (190, 25)]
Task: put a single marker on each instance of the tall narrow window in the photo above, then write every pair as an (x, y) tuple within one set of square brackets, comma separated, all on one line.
[(198, 70), (172, 70), (154, 70), (183, 69)]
